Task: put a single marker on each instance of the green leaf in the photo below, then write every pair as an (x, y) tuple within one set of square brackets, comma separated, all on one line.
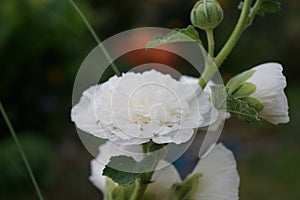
[(234, 83), (218, 96), (121, 177), (134, 169), (242, 110), (244, 90), (245, 108), (188, 34), (269, 6), (187, 188)]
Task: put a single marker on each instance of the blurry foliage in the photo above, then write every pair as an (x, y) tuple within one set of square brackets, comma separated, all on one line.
[(42, 44), (271, 175), (13, 174)]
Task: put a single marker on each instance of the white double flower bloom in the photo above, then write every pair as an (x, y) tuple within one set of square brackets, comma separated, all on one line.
[(139, 107)]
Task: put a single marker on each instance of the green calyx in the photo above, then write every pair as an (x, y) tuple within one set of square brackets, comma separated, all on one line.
[(244, 90), (238, 80), (240, 89), (206, 14), (109, 188)]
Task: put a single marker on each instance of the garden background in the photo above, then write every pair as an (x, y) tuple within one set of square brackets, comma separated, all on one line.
[(42, 44)]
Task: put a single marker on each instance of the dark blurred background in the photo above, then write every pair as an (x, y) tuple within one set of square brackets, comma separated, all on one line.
[(42, 44)]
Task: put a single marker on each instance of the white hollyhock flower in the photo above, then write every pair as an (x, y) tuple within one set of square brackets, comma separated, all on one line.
[(138, 107), (162, 180), (270, 83), (220, 179)]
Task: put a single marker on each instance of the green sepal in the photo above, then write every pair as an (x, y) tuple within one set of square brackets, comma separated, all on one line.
[(244, 90), (254, 103), (109, 187), (186, 189), (188, 34), (238, 80), (123, 192)]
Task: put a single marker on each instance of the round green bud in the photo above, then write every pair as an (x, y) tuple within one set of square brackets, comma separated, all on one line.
[(206, 14)]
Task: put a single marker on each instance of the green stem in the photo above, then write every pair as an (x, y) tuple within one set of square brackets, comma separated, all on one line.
[(208, 73), (25, 160), (144, 180), (245, 20), (211, 42), (236, 34), (103, 49), (253, 11), (142, 185), (145, 149)]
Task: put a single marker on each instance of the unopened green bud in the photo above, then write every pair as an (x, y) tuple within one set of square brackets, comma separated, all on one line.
[(206, 14)]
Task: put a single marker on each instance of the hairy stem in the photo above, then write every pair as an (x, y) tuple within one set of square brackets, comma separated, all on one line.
[(236, 34), (240, 27), (211, 42)]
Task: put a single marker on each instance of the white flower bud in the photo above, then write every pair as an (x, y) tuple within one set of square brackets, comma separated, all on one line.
[(206, 14), (263, 88)]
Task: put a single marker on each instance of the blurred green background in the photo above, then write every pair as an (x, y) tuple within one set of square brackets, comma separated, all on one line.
[(42, 44)]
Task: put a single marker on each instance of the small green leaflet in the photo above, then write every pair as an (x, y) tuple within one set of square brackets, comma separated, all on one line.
[(269, 6), (188, 34)]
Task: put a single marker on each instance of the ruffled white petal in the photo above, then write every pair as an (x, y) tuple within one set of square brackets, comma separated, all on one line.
[(220, 179), (84, 113)]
